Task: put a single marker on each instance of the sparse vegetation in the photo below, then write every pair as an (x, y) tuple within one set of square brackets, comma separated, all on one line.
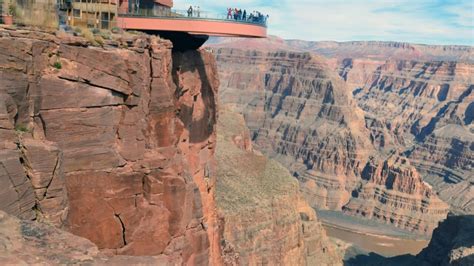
[(116, 30), (21, 128), (12, 9), (99, 40), (88, 35), (57, 65), (77, 30), (246, 179), (106, 35), (94, 36)]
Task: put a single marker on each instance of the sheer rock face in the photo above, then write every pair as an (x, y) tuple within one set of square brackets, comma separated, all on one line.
[(395, 193), (119, 145), (31, 170), (301, 115), (265, 218), (452, 242)]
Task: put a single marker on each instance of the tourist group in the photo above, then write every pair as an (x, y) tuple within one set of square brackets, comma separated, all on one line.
[(238, 14), (234, 14)]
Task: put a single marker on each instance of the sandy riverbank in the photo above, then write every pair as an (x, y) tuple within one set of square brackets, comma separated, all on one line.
[(366, 235)]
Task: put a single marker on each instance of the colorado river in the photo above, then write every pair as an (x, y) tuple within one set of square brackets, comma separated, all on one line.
[(385, 246), (371, 236)]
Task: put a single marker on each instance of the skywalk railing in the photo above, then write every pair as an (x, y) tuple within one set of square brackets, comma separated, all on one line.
[(195, 15)]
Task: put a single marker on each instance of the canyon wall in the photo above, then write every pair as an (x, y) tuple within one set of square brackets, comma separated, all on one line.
[(423, 109), (301, 113), (417, 100), (452, 242), (386, 50), (265, 218), (113, 144), (394, 192)]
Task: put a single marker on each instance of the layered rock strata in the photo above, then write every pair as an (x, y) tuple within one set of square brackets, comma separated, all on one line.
[(31, 169), (265, 218), (302, 114), (127, 134), (365, 50), (417, 98), (395, 193), (424, 108), (380, 50)]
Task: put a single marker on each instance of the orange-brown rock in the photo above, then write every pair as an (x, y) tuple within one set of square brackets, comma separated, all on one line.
[(383, 50), (424, 108), (25, 242), (302, 114), (31, 173), (299, 113), (265, 218), (416, 98), (116, 145), (395, 193)]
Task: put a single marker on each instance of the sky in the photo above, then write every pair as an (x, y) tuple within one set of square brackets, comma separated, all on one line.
[(415, 21)]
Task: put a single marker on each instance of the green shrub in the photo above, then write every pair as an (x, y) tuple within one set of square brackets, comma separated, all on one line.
[(57, 65), (88, 35), (12, 9), (21, 128), (106, 35), (116, 30)]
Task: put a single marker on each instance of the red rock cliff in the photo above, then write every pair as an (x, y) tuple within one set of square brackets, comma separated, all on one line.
[(116, 145), (265, 217)]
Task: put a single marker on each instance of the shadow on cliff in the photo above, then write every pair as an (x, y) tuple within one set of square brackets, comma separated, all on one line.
[(454, 233), (432, 125), (192, 61), (373, 259)]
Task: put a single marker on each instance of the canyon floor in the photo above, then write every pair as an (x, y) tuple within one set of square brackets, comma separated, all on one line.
[(371, 236)]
